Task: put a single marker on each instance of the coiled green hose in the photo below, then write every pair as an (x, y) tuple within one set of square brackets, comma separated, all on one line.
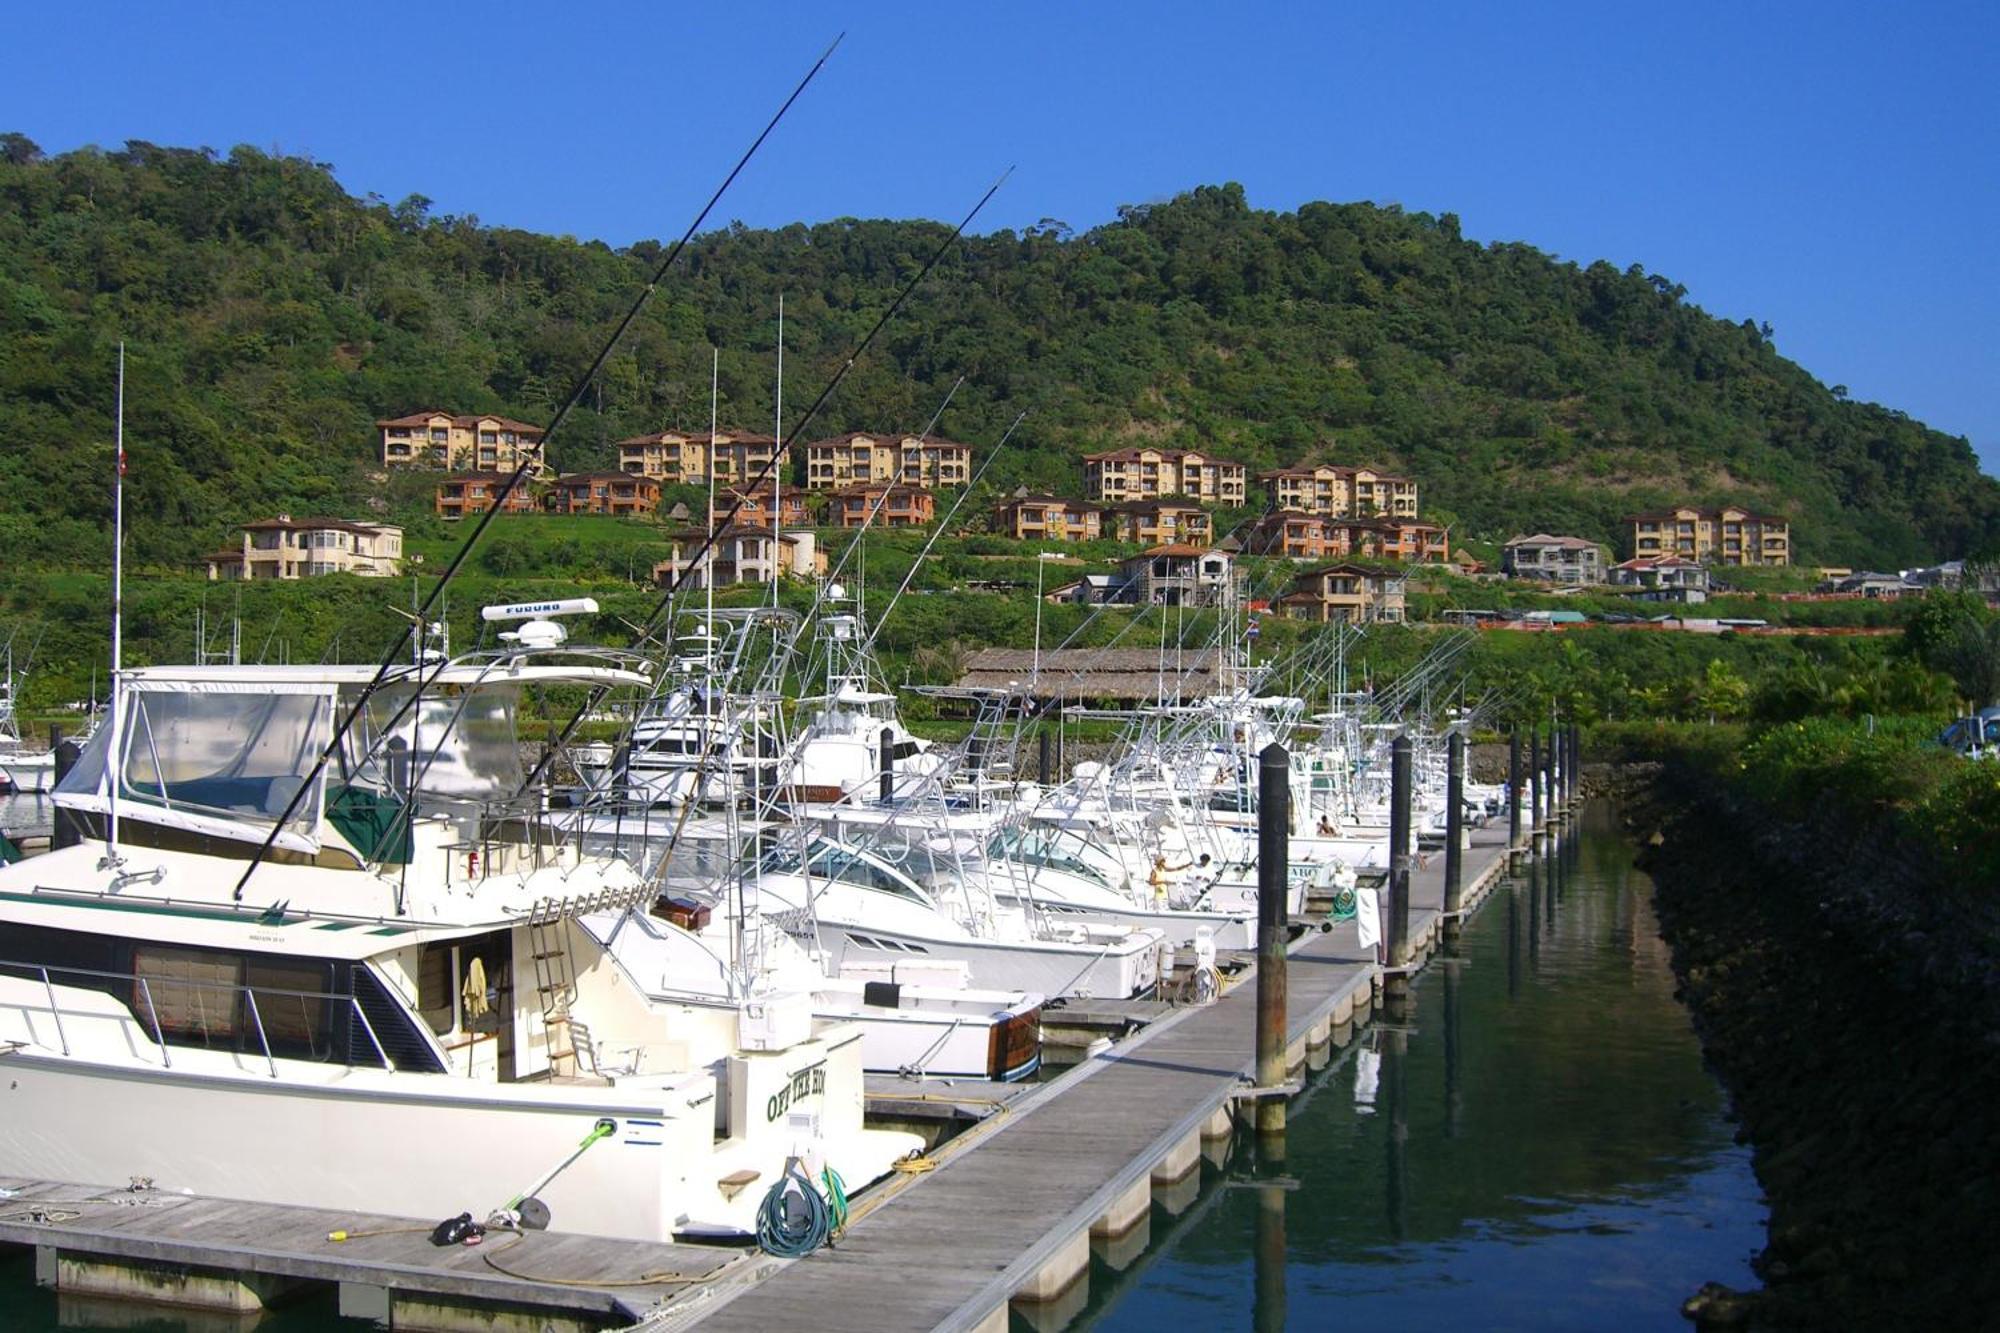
[(789, 1233)]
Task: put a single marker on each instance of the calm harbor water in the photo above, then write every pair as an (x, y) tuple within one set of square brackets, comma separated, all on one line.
[(26, 815), (1534, 1145)]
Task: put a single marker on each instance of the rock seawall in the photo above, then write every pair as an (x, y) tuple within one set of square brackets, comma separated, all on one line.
[(1847, 995)]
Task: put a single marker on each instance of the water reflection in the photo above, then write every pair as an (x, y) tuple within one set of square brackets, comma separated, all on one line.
[(28, 815), (1532, 1143)]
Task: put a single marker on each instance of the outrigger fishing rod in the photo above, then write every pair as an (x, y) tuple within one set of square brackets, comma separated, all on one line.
[(529, 459), (664, 607)]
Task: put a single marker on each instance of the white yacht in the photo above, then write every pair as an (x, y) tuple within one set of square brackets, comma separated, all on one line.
[(22, 771), (369, 984), (864, 906)]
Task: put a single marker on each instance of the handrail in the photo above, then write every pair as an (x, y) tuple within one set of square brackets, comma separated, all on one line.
[(354, 1003), (258, 1019), (47, 974), (55, 1010), (159, 1036)]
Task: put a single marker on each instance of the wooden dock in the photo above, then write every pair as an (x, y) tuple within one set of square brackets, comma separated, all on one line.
[(213, 1253), (1010, 1219)]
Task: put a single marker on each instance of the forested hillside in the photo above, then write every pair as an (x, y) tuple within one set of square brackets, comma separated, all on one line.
[(270, 317)]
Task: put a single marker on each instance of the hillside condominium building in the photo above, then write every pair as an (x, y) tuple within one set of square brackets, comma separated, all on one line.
[(674, 457), (458, 443), (1731, 535), (861, 458), (1120, 475)]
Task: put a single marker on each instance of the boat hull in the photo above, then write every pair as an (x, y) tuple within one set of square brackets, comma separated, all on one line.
[(416, 1145)]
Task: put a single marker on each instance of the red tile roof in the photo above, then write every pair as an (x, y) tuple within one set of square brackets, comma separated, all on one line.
[(466, 421), (701, 437), (283, 524)]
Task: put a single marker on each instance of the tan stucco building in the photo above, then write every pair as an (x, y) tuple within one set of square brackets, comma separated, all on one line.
[(458, 443), (866, 458), (674, 457), (1346, 594), (1120, 475), (1341, 492), (1047, 518), (1730, 535), (289, 548)]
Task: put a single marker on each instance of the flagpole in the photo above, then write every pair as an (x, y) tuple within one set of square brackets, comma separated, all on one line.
[(115, 751)]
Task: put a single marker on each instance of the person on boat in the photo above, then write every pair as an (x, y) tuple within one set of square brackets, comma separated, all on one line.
[(1326, 828), (1161, 875)]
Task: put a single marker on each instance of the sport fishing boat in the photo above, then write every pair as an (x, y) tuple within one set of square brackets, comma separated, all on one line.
[(22, 771), (380, 959), (896, 900), (705, 941)]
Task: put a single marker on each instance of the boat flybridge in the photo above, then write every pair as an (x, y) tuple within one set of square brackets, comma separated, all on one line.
[(365, 983)]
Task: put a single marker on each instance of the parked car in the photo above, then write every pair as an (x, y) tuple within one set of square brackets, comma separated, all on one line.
[(1976, 736)]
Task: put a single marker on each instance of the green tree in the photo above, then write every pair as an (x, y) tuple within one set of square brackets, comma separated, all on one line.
[(1971, 657), (1720, 692)]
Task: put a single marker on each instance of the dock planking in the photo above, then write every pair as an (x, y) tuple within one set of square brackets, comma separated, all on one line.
[(949, 1251), (622, 1280)]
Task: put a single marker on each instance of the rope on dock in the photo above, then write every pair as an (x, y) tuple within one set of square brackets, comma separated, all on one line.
[(660, 1278)]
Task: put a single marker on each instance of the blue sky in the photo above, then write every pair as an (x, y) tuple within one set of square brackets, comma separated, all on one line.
[(1832, 168)]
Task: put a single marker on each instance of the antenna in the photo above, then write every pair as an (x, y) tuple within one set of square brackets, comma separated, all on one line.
[(111, 859), (538, 631)]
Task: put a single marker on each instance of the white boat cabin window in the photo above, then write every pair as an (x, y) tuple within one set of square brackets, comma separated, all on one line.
[(294, 1007), (242, 756), (204, 997)]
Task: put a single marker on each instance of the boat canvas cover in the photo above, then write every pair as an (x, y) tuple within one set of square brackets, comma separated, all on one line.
[(222, 757)]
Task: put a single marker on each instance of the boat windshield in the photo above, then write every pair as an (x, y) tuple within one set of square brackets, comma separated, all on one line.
[(457, 742), (1039, 849), (240, 756), (831, 861)]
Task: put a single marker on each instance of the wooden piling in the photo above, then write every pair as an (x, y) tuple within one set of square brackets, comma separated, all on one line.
[(1551, 795), (1274, 793), (1399, 862), (1537, 809), (66, 832), (1514, 790), (1454, 823)]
